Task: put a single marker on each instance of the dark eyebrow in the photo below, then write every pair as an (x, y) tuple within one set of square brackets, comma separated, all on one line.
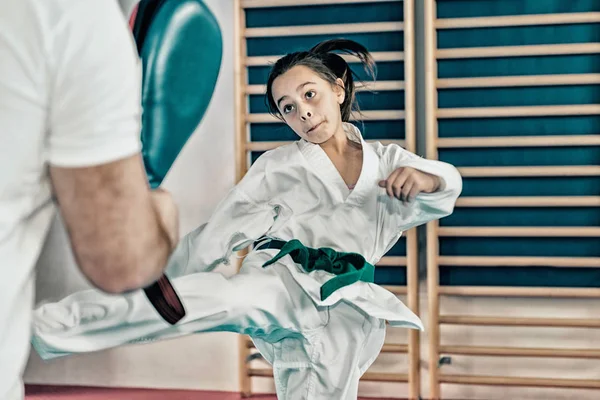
[(279, 101), (297, 89), (304, 84)]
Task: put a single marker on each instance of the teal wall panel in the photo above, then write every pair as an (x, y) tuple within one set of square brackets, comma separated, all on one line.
[(371, 130), (384, 41), (521, 277), (390, 276), (324, 14), (516, 156), (491, 8), (520, 246), (520, 126), (514, 66), (399, 249), (532, 186), (523, 216), (519, 96), (518, 36), (520, 156)]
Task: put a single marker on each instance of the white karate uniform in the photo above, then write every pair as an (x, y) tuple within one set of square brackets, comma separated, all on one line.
[(318, 347)]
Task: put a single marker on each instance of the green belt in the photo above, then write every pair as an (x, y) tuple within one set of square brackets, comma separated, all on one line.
[(348, 267)]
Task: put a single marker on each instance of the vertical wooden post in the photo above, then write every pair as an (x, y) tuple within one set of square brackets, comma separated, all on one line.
[(431, 136), (409, 75), (412, 281), (241, 106), (412, 268)]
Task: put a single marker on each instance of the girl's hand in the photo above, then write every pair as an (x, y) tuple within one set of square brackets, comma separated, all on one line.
[(406, 183)]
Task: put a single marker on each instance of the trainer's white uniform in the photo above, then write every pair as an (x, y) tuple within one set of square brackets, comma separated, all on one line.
[(70, 87), (318, 347)]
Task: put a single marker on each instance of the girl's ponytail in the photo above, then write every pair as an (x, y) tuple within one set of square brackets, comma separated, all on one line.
[(342, 70)]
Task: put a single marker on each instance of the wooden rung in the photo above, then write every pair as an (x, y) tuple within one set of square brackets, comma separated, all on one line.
[(265, 146), (262, 372), (382, 56), (262, 118), (292, 3), (519, 51), (384, 115), (516, 81), (495, 261), (397, 290), (524, 111), (377, 86), (530, 201), (530, 171), (380, 86), (520, 141), (520, 231), (518, 20), (387, 347), (501, 291), (384, 377), (520, 321), (394, 348), (519, 352), (520, 381), (401, 143), (325, 29), (256, 89), (368, 376), (392, 261)]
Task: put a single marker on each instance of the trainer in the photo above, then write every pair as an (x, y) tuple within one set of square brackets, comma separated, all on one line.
[(70, 142)]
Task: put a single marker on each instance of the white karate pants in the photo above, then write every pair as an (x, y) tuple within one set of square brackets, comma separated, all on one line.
[(316, 352)]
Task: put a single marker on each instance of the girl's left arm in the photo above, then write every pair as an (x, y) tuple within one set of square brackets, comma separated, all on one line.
[(425, 190)]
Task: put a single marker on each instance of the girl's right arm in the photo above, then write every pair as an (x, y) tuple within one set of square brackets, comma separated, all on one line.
[(237, 222)]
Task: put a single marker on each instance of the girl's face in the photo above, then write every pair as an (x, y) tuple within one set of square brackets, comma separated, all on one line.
[(309, 104)]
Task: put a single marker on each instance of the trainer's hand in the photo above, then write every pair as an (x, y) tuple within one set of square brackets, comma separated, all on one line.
[(406, 183), (168, 213)]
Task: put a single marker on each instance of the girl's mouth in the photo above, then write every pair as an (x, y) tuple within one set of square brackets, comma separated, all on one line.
[(314, 127)]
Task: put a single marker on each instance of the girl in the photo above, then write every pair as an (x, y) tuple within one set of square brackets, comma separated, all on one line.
[(330, 206)]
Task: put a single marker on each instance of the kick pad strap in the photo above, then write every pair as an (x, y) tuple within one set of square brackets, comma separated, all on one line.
[(145, 12), (165, 300)]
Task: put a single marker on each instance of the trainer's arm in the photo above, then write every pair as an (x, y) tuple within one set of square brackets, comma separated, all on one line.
[(120, 232)]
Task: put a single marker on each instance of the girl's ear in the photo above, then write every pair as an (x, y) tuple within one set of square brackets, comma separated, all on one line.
[(338, 88)]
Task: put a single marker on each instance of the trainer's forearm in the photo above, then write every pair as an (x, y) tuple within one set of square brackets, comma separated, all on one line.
[(145, 251), (115, 227)]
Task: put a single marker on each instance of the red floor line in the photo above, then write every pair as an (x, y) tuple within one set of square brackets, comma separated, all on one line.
[(52, 392)]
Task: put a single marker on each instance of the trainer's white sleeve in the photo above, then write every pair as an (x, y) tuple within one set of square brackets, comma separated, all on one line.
[(95, 79)]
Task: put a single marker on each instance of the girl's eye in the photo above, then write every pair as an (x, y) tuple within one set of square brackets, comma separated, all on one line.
[(310, 94), (287, 108)]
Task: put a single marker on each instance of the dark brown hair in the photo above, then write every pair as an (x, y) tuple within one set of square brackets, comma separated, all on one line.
[(327, 65)]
